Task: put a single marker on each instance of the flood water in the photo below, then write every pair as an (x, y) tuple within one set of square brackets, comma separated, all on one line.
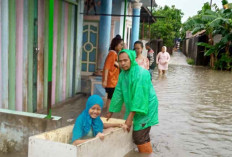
[(195, 113)]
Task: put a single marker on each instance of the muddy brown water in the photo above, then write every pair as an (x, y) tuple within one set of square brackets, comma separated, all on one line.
[(195, 114)]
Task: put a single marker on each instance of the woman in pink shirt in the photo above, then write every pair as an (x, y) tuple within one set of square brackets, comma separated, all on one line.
[(162, 60), (140, 59)]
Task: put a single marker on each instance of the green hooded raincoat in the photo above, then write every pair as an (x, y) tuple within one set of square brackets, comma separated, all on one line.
[(135, 89)]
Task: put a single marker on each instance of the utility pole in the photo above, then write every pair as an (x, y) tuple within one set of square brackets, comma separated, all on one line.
[(50, 55), (211, 3), (124, 20)]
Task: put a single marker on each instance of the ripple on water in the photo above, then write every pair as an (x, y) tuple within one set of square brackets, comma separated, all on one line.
[(195, 112)]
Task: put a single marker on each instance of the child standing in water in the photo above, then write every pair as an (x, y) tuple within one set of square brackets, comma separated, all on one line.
[(140, 59), (162, 60), (89, 124)]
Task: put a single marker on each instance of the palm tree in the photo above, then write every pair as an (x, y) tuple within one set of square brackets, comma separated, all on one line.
[(199, 23), (214, 22)]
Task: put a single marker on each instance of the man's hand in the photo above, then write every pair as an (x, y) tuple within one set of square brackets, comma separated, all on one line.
[(128, 124), (129, 120), (108, 115)]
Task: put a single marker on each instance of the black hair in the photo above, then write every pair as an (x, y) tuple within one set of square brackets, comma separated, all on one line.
[(148, 44), (115, 41), (139, 42), (118, 36)]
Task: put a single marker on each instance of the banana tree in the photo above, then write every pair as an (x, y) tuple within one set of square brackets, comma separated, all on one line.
[(221, 23), (202, 22)]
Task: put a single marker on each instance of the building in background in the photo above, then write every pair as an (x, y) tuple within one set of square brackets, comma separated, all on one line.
[(42, 60), (104, 21)]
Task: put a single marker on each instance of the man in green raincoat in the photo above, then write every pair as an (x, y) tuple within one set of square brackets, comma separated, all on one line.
[(135, 90)]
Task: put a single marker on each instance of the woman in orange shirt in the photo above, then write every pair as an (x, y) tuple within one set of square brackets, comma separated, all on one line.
[(111, 68)]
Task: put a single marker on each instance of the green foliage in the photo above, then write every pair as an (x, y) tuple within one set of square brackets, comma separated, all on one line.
[(167, 28), (190, 61), (225, 62), (205, 45), (214, 21), (209, 49), (224, 2), (200, 21)]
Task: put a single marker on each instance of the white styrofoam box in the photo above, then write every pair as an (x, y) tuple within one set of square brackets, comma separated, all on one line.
[(56, 143)]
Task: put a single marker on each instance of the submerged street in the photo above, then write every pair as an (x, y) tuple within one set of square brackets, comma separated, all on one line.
[(55, 54), (195, 112)]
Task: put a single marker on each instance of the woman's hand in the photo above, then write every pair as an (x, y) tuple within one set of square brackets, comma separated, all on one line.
[(76, 142), (116, 64), (100, 135), (104, 83)]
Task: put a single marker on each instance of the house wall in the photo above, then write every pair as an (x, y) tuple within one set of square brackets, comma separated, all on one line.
[(116, 28), (117, 21), (195, 52), (24, 71)]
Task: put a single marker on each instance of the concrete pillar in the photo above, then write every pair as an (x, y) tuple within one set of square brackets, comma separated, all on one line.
[(135, 23), (104, 33)]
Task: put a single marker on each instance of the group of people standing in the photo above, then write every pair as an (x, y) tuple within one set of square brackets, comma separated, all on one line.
[(126, 78)]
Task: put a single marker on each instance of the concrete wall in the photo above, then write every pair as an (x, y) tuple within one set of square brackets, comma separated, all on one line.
[(85, 85), (16, 127), (55, 143)]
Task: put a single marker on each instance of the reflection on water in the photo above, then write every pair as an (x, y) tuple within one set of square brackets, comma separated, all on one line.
[(195, 113)]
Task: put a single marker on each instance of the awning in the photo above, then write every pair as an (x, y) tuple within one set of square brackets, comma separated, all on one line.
[(146, 3), (146, 16)]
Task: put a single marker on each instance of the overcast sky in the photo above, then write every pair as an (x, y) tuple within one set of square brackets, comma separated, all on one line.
[(188, 7)]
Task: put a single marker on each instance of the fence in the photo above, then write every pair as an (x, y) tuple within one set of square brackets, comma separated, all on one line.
[(195, 52)]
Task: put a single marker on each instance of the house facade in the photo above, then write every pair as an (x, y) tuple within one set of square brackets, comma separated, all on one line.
[(26, 58), (102, 24), (46, 45)]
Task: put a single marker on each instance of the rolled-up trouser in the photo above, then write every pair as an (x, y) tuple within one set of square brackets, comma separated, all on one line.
[(142, 140)]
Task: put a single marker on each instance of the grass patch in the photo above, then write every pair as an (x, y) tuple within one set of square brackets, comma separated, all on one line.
[(190, 61)]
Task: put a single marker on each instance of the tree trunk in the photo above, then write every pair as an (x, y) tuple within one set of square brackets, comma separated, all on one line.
[(228, 54), (212, 56), (212, 60)]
